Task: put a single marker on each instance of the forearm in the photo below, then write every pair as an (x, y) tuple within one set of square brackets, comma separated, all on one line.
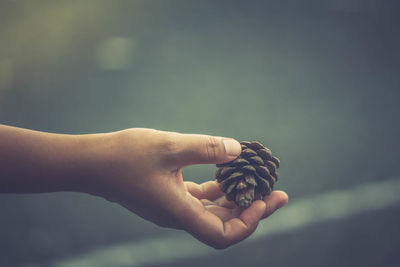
[(34, 162)]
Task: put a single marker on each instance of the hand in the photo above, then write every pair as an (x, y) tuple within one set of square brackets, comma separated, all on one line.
[(143, 173)]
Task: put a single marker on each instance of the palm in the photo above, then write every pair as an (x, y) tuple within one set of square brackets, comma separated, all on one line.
[(219, 222)]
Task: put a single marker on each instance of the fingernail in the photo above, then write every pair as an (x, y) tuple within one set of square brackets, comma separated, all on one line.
[(232, 147)]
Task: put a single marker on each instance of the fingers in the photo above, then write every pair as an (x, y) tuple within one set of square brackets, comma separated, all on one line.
[(208, 190), (223, 202), (224, 214), (211, 230), (203, 149), (238, 229), (276, 200)]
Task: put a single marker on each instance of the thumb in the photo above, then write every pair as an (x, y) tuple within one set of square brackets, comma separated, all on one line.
[(204, 149)]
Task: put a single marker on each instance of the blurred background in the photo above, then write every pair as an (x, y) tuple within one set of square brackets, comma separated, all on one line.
[(316, 81)]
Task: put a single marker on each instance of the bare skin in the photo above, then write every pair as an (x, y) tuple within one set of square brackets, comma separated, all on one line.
[(141, 170)]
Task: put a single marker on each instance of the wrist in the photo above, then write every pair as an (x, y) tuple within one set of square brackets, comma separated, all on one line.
[(94, 160)]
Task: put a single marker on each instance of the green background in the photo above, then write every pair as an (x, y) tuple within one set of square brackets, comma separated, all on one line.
[(316, 81)]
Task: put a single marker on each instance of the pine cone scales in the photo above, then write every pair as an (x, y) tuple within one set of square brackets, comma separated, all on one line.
[(250, 176)]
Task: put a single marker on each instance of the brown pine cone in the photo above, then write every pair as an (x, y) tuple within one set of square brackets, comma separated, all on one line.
[(250, 176)]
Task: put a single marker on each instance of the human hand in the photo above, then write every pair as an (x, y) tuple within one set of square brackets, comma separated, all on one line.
[(142, 172)]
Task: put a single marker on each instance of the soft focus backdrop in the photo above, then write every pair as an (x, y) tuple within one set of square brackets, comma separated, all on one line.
[(316, 81)]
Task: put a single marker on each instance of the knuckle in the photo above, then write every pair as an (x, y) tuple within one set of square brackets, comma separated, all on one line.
[(169, 144), (169, 147), (211, 148)]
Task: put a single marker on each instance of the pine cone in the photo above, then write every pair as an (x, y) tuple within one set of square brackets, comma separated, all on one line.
[(250, 176)]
